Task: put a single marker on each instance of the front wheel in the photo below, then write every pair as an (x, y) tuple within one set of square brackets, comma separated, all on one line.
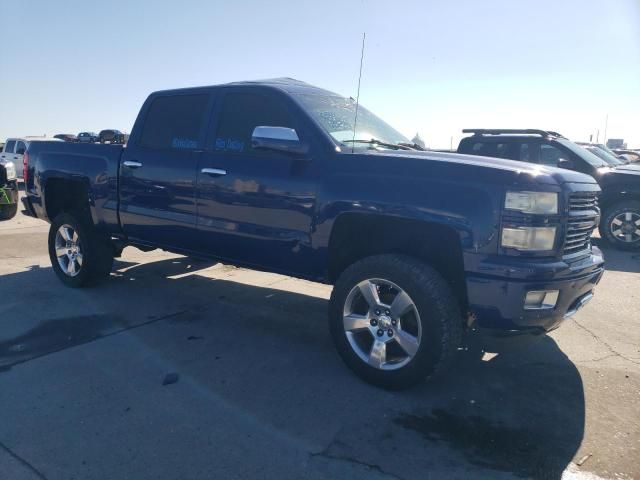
[(620, 225), (394, 320), (7, 212), (79, 254)]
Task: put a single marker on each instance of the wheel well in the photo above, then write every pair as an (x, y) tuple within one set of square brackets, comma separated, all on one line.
[(609, 201), (356, 236), (63, 195)]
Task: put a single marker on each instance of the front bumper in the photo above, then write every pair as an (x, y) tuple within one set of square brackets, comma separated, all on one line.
[(9, 193), (497, 302)]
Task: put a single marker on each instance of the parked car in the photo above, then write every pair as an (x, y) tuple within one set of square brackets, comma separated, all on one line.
[(8, 189), (279, 177), (612, 159), (66, 137), (14, 149), (630, 155), (111, 136), (620, 183), (87, 137)]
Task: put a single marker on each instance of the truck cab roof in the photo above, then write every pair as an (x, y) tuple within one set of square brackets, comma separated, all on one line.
[(285, 84)]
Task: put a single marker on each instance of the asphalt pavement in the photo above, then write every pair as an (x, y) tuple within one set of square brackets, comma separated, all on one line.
[(177, 368)]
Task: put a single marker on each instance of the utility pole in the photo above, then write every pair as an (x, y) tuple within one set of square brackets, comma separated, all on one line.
[(597, 135), (606, 122), (451, 144)]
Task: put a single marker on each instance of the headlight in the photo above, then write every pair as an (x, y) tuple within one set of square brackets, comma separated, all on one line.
[(11, 170), (529, 238), (543, 203)]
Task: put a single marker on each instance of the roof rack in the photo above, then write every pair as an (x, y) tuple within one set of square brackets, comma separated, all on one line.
[(499, 131)]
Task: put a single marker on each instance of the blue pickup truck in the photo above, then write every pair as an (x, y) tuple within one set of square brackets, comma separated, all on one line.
[(278, 175)]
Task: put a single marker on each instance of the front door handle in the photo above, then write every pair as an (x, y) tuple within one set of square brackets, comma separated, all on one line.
[(214, 172), (131, 164)]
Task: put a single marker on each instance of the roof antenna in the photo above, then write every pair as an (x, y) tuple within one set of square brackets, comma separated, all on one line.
[(355, 120)]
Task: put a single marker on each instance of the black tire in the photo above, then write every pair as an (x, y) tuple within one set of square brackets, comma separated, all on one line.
[(7, 212), (97, 252), (438, 311), (607, 226)]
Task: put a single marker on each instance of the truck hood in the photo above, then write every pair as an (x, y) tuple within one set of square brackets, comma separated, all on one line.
[(627, 169), (537, 173), (628, 175)]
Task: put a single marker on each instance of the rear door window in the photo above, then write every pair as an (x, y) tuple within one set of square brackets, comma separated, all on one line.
[(486, 149), (175, 122), (21, 147), (241, 113), (508, 150), (529, 152), (10, 146)]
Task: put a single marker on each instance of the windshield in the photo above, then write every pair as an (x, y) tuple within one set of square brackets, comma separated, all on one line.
[(336, 115), (606, 156), (583, 153), (605, 148)]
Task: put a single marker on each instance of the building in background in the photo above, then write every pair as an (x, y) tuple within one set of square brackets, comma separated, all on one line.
[(616, 143), (418, 141)]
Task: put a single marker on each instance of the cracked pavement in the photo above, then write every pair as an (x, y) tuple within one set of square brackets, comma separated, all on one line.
[(262, 394)]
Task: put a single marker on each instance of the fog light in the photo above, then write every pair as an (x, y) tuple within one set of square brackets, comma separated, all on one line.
[(541, 299)]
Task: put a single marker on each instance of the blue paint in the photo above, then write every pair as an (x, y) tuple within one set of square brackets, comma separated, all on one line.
[(278, 211)]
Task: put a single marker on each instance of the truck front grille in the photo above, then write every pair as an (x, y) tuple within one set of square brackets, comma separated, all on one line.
[(583, 219)]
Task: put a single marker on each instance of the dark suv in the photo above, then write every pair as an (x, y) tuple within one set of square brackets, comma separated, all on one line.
[(112, 136), (620, 182)]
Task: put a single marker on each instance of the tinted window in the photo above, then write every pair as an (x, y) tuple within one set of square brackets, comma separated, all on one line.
[(483, 148), (174, 122), (241, 113), (21, 148), (8, 148), (502, 150), (550, 155), (526, 153)]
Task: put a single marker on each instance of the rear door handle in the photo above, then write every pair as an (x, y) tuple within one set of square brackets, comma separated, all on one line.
[(131, 164), (214, 172)]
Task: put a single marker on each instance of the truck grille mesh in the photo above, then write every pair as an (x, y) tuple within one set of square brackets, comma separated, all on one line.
[(583, 219)]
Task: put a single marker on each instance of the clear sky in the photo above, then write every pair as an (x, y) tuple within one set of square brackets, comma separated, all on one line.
[(432, 67)]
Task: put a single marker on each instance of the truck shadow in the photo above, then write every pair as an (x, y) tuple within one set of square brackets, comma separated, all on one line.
[(267, 351), (619, 260)]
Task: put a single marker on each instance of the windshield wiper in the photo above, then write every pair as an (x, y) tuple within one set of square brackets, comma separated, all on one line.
[(413, 146), (373, 141)]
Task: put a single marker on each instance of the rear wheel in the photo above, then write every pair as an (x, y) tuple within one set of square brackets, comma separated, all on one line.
[(620, 225), (394, 320), (79, 255), (7, 212)]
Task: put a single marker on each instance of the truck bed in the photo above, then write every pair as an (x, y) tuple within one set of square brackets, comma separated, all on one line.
[(97, 165)]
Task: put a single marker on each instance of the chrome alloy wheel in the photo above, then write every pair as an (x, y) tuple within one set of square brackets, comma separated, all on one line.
[(68, 250), (382, 324), (625, 227)]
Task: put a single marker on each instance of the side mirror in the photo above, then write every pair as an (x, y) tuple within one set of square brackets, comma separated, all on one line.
[(564, 163), (279, 139), (20, 151)]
